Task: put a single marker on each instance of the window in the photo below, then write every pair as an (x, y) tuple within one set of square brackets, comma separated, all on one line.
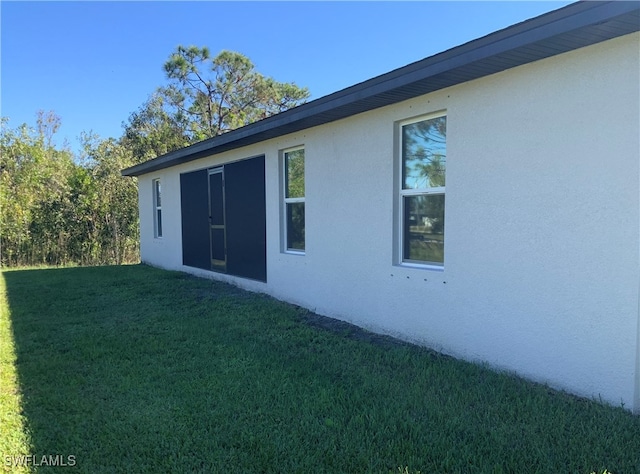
[(293, 167), (423, 152), (157, 208)]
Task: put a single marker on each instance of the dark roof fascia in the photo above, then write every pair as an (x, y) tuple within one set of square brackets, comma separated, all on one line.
[(576, 25)]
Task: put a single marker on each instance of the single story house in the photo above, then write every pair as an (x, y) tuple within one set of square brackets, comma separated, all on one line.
[(484, 202)]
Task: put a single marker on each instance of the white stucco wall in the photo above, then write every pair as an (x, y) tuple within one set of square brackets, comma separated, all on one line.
[(541, 272)]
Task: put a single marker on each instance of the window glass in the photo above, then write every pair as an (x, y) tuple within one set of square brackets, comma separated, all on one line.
[(294, 200), (424, 152), (295, 226), (158, 194), (424, 228), (423, 160), (159, 223), (294, 161), (157, 204)]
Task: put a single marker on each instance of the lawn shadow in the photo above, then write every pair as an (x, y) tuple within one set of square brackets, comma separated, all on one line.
[(76, 332), (46, 310)]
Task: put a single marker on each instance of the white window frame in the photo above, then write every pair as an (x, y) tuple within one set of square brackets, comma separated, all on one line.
[(402, 193), (287, 200), (157, 209)]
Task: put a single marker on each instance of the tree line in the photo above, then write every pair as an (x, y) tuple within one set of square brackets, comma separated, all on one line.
[(58, 207)]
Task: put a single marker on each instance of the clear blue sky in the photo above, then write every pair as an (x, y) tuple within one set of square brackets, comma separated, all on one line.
[(94, 63)]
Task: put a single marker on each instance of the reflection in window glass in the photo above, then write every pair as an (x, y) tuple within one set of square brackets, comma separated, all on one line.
[(295, 226), (423, 157), (424, 228), (424, 154), (158, 194), (157, 204), (294, 200), (295, 173)]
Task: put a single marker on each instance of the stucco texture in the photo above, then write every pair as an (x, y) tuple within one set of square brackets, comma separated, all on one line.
[(541, 268)]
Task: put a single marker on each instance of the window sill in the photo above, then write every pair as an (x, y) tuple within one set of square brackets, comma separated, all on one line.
[(422, 266), (294, 252)]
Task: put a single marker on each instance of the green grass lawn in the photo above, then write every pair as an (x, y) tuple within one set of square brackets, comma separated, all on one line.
[(134, 369)]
